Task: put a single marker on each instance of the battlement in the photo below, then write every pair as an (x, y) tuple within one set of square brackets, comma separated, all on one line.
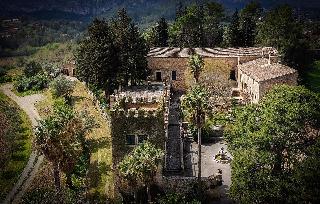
[(139, 98), (136, 113)]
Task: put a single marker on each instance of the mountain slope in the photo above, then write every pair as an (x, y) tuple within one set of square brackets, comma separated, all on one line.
[(142, 10)]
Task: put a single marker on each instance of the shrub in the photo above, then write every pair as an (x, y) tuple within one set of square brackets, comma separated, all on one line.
[(51, 70), (32, 68), (3, 71), (3, 75), (36, 83), (62, 87)]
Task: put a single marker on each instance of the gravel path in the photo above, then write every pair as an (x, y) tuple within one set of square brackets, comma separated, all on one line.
[(27, 105)]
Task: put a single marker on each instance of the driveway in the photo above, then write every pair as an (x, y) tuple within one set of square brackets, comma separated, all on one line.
[(27, 105)]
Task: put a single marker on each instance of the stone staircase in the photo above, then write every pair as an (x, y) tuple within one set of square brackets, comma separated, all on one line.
[(173, 151), (174, 148)]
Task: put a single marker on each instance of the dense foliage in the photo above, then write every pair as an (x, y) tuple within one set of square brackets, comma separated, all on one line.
[(274, 144), (140, 167), (114, 54), (198, 26), (281, 30), (62, 87), (61, 139), (32, 34), (35, 83)]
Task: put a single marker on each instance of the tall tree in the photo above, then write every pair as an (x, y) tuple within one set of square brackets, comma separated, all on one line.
[(97, 58), (60, 138), (113, 54), (249, 17), (281, 30), (141, 165), (132, 50), (199, 25), (195, 105), (162, 33), (270, 141), (213, 16), (232, 36)]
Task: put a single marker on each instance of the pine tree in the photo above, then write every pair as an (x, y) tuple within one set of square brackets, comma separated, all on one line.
[(232, 36), (97, 59), (281, 30), (212, 18), (249, 16), (132, 50), (162, 33)]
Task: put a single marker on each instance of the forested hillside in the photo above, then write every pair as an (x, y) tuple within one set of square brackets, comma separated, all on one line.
[(143, 11)]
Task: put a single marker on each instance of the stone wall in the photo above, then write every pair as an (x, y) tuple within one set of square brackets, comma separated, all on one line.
[(249, 85), (168, 64), (141, 123), (290, 79), (185, 185), (257, 90)]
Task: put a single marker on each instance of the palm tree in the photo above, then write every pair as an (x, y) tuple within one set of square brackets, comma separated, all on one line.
[(196, 64), (60, 138), (195, 105), (140, 167)]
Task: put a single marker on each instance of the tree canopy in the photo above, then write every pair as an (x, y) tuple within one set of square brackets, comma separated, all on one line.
[(198, 26), (271, 142), (249, 17), (141, 165), (281, 30), (61, 139), (114, 54)]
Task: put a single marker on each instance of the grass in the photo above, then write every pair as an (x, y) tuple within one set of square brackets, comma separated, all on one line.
[(100, 172), (312, 77), (17, 134), (27, 93)]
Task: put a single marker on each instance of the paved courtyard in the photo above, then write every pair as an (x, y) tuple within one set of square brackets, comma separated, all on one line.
[(208, 164)]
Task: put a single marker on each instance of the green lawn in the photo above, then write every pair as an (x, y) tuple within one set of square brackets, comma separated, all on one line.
[(312, 77), (15, 143)]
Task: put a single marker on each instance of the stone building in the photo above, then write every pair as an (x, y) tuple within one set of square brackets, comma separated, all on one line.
[(170, 64), (138, 113), (69, 68), (257, 77)]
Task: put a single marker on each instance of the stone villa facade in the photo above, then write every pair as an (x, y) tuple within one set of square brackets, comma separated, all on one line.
[(171, 64), (257, 77)]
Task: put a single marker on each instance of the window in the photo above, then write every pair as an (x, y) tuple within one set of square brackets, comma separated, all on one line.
[(158, 76), (233, 74), (142, 138), (174, 75), (131, 139), (65, 71), (73, 72), (135, 139)]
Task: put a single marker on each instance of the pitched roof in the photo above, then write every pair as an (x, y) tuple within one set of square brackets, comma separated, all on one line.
[(166, 52), (261, 70)]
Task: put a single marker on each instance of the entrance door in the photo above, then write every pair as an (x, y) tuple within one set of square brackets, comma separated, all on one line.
[(158, 76)]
